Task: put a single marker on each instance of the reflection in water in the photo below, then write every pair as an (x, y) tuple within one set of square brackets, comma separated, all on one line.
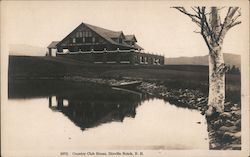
[(146, 124), (90, 111), (86, 105)]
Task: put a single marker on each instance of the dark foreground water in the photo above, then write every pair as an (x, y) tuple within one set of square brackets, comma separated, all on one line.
[(45, 115)]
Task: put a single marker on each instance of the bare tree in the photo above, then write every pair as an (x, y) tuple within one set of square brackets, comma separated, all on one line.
[(213, 31)]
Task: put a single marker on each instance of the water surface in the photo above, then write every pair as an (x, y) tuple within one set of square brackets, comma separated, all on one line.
[(79, 116)]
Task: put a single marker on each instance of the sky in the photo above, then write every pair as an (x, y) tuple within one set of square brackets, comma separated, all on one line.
[(158, 28)]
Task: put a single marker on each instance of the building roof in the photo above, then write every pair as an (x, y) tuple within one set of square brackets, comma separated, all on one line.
[(138, 47), (105, 33), (108, 35), (53, 44), (130, 37)]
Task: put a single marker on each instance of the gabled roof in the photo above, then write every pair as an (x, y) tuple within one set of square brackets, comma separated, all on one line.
[(109, 35), (106, 34), (103, 31), (53, 44), (130, 38)]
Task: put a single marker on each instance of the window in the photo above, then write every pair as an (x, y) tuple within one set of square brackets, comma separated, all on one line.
[(120, 40), (87, 34), (78, 34), (141, 59), (90, 34), (74, 40)]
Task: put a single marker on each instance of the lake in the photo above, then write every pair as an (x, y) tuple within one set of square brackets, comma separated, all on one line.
[(58, 115)]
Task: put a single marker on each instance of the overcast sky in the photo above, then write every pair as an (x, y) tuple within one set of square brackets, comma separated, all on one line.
[(158, 28)]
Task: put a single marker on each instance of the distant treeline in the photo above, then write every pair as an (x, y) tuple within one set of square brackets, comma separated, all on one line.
[(232, 69)]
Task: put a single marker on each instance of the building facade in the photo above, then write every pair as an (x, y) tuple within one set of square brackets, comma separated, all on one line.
[(94, 44)]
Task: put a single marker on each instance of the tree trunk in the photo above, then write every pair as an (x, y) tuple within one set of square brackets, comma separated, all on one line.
[(216, 65), (216, 82)]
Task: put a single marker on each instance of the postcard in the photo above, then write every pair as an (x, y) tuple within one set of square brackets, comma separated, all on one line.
[(125, 78)]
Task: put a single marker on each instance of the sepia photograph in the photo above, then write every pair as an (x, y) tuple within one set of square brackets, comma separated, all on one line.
[(124, 78)]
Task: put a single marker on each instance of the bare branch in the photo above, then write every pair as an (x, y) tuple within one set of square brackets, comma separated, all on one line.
[(195, 10), (205, 36), (229, 17), (224, 24), (205, 32), (209, 30), (232, 12), (213, 31), (206, 40), (237, 16), (183, 10), (230, 21), (235, 23), (194, 18), (202, 15)]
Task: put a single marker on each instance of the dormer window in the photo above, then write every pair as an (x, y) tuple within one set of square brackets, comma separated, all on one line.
[(120, 40)]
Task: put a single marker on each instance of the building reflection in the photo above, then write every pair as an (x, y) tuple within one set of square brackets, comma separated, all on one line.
[(91, 111), (85, 104)]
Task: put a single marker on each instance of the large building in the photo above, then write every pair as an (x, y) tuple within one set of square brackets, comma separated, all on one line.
[(94, 44)]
